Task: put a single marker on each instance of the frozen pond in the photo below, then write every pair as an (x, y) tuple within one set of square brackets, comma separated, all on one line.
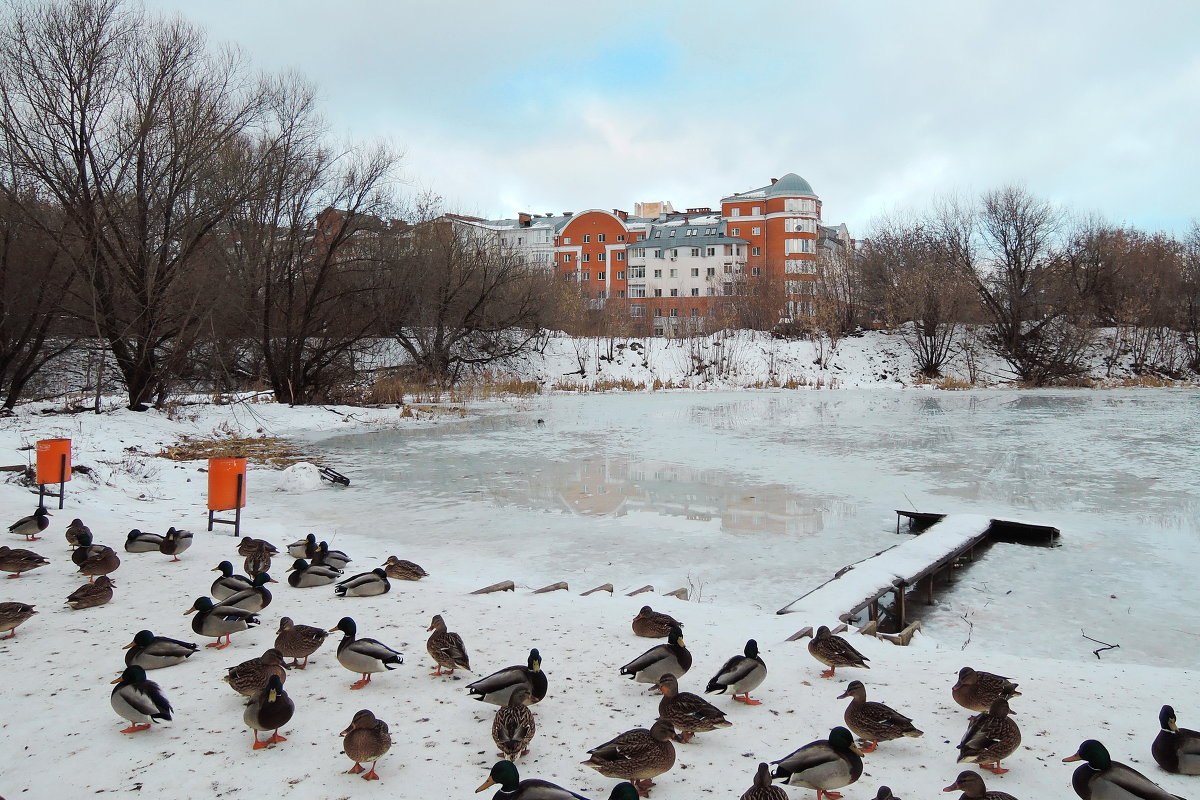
[(753, 498)]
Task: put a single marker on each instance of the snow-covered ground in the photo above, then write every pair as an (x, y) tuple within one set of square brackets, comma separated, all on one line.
[(419, 492)]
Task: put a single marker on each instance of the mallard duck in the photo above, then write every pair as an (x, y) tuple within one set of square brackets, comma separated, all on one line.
[(972, 787), (253, 674), (298, 641), (367, 739), (256, 598), (257, 563), (446, 648), (672, 657), (139, 700), (872, 721), (85, 549), (366, 584), (73, 530), (977, 690), (100, 560), (1176, 749), (834, 651), (689, 713), (637, 756), (740, 675), (1101, 778), (143, 542), (249, 546), (304, 548), (31, 526), (155, 652), (175, 542), (497, 687), (402, 570), (228, 584), (269, 709), (92, 594), (12, 615), (763, 789), (513, 726), (824, 765), (363, 656), (18, 560), (654, 624), (305, 575), (990, 738), (504, 774), (324, 557), (219, 620)]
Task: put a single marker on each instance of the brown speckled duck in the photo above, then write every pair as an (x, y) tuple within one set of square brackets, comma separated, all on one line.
[(73, 530), (689, 713), (513, 726), (367, 739), (250, 676), (977, 690), (92, 594), (298, 641), (12, 615), (100, 560), (638, 756), (402, 570), (990, 738), (874, 722), (654, 624), (834, 651), (973, 788), (446, 648), (1176, 749), (18, 560), (763, 789)]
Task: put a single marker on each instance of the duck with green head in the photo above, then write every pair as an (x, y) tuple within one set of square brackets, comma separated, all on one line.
[(1101, 778), (672, 657), (504, 774), (1176, 749), (497, 687), (823, 765)]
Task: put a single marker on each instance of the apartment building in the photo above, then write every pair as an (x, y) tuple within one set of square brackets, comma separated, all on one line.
[(667, 272)]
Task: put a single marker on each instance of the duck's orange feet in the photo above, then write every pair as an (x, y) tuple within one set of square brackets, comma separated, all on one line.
[(361, 683), (684, 737), (357, 768), (142, 726), (870, 748), (995, 768), (276, 738), (747, 700), (176, 558), (10, 577), (11, 635), (32, 537), (261, 745), (830, 795), (435, 674), (371, 775), (828, 674)]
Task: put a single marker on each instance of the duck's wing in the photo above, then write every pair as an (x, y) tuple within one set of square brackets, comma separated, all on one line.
[(375, 649), (810, 756), (646, 659), (1133, 782), (732, 671), (622, 747), (500, 679)]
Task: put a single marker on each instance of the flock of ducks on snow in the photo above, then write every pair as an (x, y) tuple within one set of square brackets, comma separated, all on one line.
[(635, 757)]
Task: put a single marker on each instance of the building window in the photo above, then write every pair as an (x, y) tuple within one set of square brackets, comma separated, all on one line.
[(599, 276), (674, 273), (637, 310), (567, 240), (658, 331), (800, 205), (728, 290), (695, 312), (695, 272), (641, 236), (671, 234), (755, 251), (587, 237), (712, 271), (620, 255), (599, 237), (637, 291), (587, 257), (637, 272), (658, 313), (658, 254), (621, 293), (600, 295), (621, 275), (799, 265), (658, 292), (695, 252), (756, 211), (755, 271), (735, 212), (587, 276), (620, 237), (674, 293), (735, 232), (675, 253), (695, 292), (756, 231), (658, 234), (674, 312), (729, 269), (601, 256), (566, 258), (808, 245), (658, 273), (712, 251), (711, 291)]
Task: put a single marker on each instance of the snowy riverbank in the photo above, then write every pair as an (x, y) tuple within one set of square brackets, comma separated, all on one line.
[(58, 667)]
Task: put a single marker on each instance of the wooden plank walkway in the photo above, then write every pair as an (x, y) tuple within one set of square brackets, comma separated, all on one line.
[(914, 564)]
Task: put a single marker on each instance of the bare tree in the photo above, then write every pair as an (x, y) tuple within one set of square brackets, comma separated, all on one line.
[(460, 300), (307, 252), (1009, 248), (130, 126), (1189, 297)]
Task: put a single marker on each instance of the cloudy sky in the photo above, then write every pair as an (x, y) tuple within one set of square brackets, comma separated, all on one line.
[(882, 106)]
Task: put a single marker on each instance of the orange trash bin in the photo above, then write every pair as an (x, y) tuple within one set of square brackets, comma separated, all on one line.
[(225, 490), (53, 466)]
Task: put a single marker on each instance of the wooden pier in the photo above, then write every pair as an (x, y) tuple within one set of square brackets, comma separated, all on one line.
[(912, 569)]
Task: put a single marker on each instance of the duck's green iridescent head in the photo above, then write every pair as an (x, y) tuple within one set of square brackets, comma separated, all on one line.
[(132, 674), (1095, 754), (751, 650), (299, 565), (623, 791), (142, 639), (1166, 719), (841, 739), (676, 636), (225, 568), (503, 773)]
